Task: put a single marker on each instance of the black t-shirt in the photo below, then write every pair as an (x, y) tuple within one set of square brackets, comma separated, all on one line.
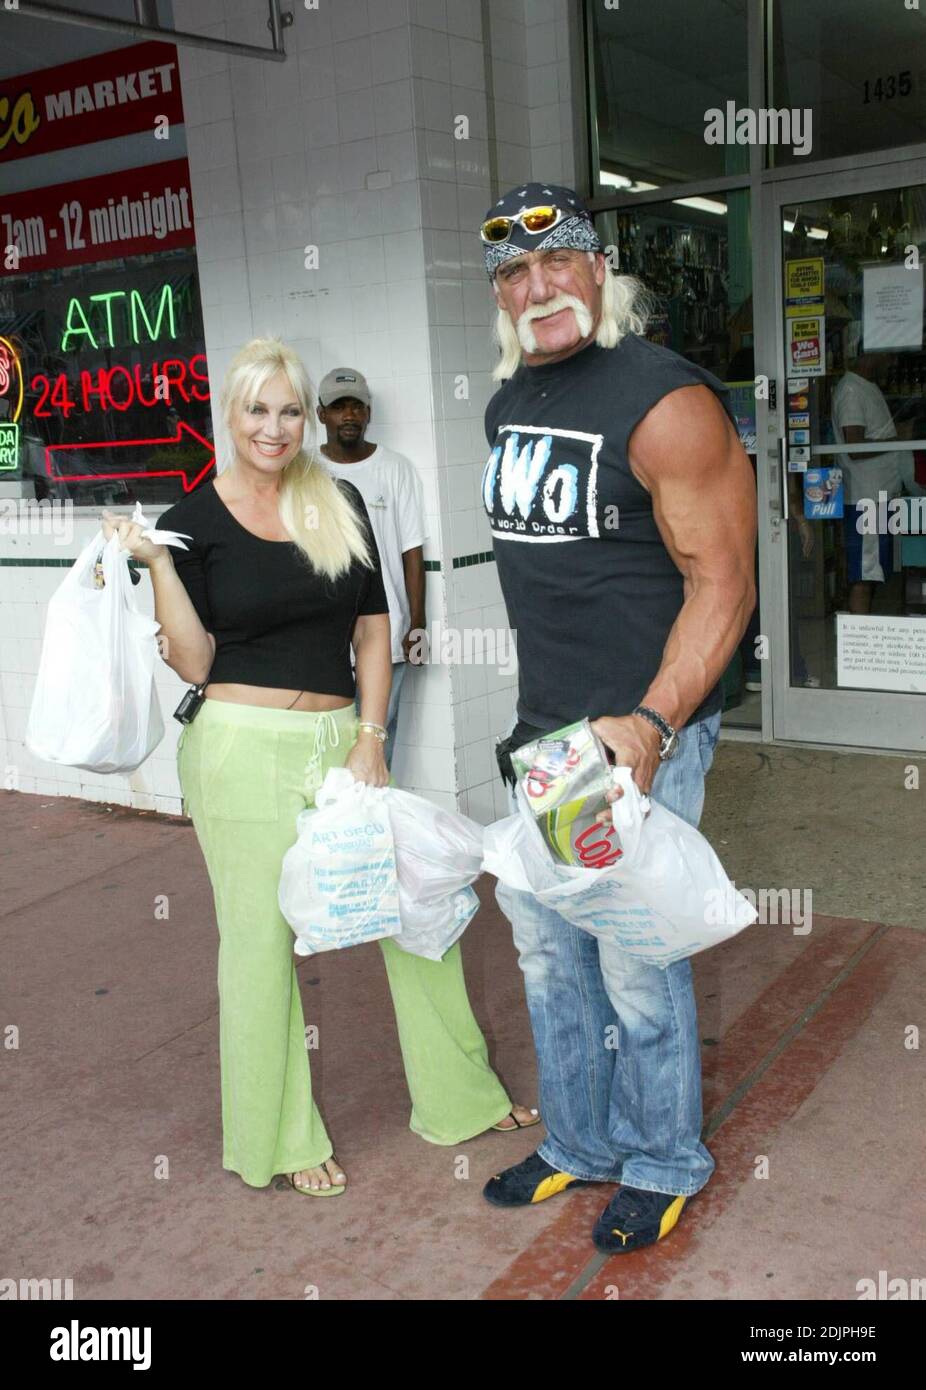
[(276, 621), (590, 588)]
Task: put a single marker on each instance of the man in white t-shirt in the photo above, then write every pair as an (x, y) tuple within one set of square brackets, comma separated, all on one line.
[(392, 493), (861, 416)]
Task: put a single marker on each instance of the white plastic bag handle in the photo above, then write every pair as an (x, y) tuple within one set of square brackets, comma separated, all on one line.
[(115, 566), (497, 857), (337, 784), (151, 533), (628, 812), (340, 783)]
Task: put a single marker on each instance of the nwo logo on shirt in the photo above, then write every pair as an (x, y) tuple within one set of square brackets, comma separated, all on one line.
[(542, 484)]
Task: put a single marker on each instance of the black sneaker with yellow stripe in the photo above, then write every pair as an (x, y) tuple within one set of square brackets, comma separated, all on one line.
[(533, 1180), (635, 1217)]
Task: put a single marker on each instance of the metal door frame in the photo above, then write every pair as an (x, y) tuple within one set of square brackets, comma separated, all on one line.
[(874, 719)]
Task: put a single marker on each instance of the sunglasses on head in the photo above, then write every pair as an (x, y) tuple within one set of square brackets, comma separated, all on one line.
[(539, 219)]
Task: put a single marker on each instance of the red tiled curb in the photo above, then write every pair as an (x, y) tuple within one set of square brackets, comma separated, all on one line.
[(558, 1257), (759, 1027), (790, 1079)]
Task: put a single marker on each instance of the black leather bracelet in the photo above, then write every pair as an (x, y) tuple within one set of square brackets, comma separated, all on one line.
[(668, 737), (655, 718)]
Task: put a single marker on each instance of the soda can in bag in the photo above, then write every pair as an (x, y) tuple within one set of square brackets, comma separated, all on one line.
[(563, 777)]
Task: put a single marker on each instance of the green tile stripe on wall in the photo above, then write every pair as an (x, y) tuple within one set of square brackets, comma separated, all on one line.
[(482, 557), (65, 562)]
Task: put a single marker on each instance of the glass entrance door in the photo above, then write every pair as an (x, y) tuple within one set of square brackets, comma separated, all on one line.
[(845, 601)]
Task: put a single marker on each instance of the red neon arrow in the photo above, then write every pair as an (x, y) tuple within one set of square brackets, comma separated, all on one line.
[(191, 474)]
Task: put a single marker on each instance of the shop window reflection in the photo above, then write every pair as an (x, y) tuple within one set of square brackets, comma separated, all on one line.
[(694, 257), (654, 76), (863, 385), (856, 66)]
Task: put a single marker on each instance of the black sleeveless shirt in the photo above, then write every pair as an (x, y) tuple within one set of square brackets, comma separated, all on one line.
[(276, 620), (590, 588)]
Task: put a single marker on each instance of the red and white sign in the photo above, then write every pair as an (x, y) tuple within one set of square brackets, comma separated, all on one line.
[(130, 213), (96, 98), (68, 463)]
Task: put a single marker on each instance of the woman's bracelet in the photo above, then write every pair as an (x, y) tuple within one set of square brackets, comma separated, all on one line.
[(376, 730)]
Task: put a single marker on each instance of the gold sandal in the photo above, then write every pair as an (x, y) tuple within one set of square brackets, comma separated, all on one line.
[(334, 1190), (518, 1124)]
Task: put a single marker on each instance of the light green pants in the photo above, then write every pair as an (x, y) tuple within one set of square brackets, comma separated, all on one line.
[(246, 772)]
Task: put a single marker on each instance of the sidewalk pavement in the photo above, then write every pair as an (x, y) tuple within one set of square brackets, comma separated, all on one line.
[(813, 1098)]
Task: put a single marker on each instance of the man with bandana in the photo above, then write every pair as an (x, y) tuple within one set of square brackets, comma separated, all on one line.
[(623, 516)]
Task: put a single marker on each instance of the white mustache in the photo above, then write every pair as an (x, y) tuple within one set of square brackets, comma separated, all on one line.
[(526, 335)]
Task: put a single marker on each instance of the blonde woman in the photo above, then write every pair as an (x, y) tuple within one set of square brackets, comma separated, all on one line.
[(280, 579)]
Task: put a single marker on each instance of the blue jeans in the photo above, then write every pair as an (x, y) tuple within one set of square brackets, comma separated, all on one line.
[(617, 1043), (392, 713)]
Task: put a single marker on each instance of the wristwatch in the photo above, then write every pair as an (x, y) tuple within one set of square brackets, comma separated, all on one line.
[(668, 746)]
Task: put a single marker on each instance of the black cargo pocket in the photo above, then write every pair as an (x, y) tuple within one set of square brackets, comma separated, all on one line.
[(239, 773)]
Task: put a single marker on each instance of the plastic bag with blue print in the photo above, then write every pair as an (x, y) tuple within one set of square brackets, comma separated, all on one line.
[(338, 885), (666, 896), (397, 864)]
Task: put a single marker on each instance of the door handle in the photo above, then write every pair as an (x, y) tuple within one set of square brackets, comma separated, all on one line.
[(774, 492)]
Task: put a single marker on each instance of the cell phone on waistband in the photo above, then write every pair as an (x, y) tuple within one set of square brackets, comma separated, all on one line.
[(191, 704)]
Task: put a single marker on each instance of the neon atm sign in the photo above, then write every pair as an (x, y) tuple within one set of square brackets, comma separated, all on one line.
[(131, 308), (111, 319), (121, 388)]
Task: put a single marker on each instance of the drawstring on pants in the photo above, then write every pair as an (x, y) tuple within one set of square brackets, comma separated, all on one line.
[(326, 737)]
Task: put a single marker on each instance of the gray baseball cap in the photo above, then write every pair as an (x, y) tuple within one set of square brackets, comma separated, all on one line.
[(343, 381)]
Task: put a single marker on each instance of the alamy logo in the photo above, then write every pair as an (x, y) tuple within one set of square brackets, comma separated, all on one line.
[(890, 1289), (77, 1343), (36, 1288), (766, 126), (542, 484)]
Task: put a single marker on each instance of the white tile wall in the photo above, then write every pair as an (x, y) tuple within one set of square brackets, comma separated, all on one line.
[(388, 14), (350, 146)]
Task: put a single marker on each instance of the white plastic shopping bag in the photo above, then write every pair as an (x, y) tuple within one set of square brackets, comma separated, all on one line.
[(339, 886), (665, 898), (439, 855), (95, 704), (375, 861)]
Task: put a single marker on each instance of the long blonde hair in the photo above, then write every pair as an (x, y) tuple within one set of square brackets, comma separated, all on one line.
[(315, 512), (625, 308)]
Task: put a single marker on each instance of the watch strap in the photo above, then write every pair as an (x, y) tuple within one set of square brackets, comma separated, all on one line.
[(656, 718), (661, 725)]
